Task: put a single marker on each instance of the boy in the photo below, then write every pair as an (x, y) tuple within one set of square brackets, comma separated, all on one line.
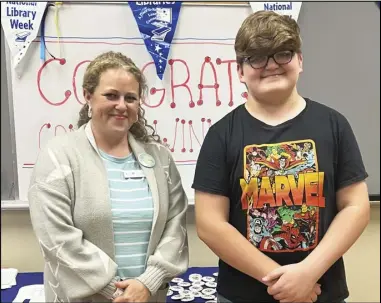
[(280, 182)]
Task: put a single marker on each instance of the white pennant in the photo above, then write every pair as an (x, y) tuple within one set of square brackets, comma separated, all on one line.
[(21, 24), (283, 8)]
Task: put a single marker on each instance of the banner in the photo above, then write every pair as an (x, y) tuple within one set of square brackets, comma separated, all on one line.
[(284, 8), (21, 23), (157, 24)]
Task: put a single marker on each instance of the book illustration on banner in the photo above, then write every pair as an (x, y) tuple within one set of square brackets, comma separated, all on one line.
[(160, 32), (197, 286), (21, 37), (164, 19)]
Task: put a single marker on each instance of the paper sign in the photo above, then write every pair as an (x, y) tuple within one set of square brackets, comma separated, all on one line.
[(157, 24), (284, 8), (21, 23)]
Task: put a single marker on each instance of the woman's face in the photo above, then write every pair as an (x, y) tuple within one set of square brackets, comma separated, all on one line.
[(115, 102)]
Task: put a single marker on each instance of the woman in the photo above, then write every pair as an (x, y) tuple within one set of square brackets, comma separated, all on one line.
[(106, 201)]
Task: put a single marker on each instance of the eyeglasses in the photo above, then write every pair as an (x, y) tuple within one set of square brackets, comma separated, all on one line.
[(280, 58)]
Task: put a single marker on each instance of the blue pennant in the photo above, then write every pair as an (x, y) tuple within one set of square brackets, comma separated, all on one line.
[(157, 24)]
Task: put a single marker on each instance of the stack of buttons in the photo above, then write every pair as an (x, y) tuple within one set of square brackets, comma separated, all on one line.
[(198, 287)]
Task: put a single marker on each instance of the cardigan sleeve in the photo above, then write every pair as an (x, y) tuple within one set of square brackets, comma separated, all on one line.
[(80, 269)]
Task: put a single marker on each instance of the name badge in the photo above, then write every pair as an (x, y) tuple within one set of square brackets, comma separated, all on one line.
[(133, 174)]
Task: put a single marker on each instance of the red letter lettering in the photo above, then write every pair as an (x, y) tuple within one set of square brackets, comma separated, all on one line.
[(67, 93), (201, 86), (173, 86), (39, 133), (229, 62)]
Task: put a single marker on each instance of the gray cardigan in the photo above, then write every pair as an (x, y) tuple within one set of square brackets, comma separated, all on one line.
[(71, 217)]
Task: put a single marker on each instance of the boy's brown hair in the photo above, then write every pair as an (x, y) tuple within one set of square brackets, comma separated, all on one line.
[(266, 32)]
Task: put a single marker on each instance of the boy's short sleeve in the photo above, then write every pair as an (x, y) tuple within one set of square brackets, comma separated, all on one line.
[(212, 175), (350, 168)]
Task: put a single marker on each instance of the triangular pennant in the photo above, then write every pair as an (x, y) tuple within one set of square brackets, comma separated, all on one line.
[(21, 23), (284, 8), (157, 25)]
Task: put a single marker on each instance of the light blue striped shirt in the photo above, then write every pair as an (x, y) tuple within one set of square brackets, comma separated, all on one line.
[(132, 213)]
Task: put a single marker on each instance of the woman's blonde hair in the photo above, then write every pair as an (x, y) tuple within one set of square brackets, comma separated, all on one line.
[(264, 32), (116, 60)]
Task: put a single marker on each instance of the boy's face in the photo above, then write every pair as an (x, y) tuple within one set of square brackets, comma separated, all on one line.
[(274, 82)]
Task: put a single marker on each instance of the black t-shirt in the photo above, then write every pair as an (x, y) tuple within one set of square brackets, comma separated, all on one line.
[(295, 170)]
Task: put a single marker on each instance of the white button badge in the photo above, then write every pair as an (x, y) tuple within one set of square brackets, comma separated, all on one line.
[(146, 160)]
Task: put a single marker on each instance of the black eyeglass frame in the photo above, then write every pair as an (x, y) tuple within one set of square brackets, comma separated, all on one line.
[(247, 59)]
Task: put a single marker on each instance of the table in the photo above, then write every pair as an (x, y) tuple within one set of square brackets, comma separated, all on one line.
[(24, 279)]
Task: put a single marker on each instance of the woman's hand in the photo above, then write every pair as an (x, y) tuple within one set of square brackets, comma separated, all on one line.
[(135, 291)]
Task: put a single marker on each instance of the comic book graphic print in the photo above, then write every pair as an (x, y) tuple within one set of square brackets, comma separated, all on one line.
[(282, 191)]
